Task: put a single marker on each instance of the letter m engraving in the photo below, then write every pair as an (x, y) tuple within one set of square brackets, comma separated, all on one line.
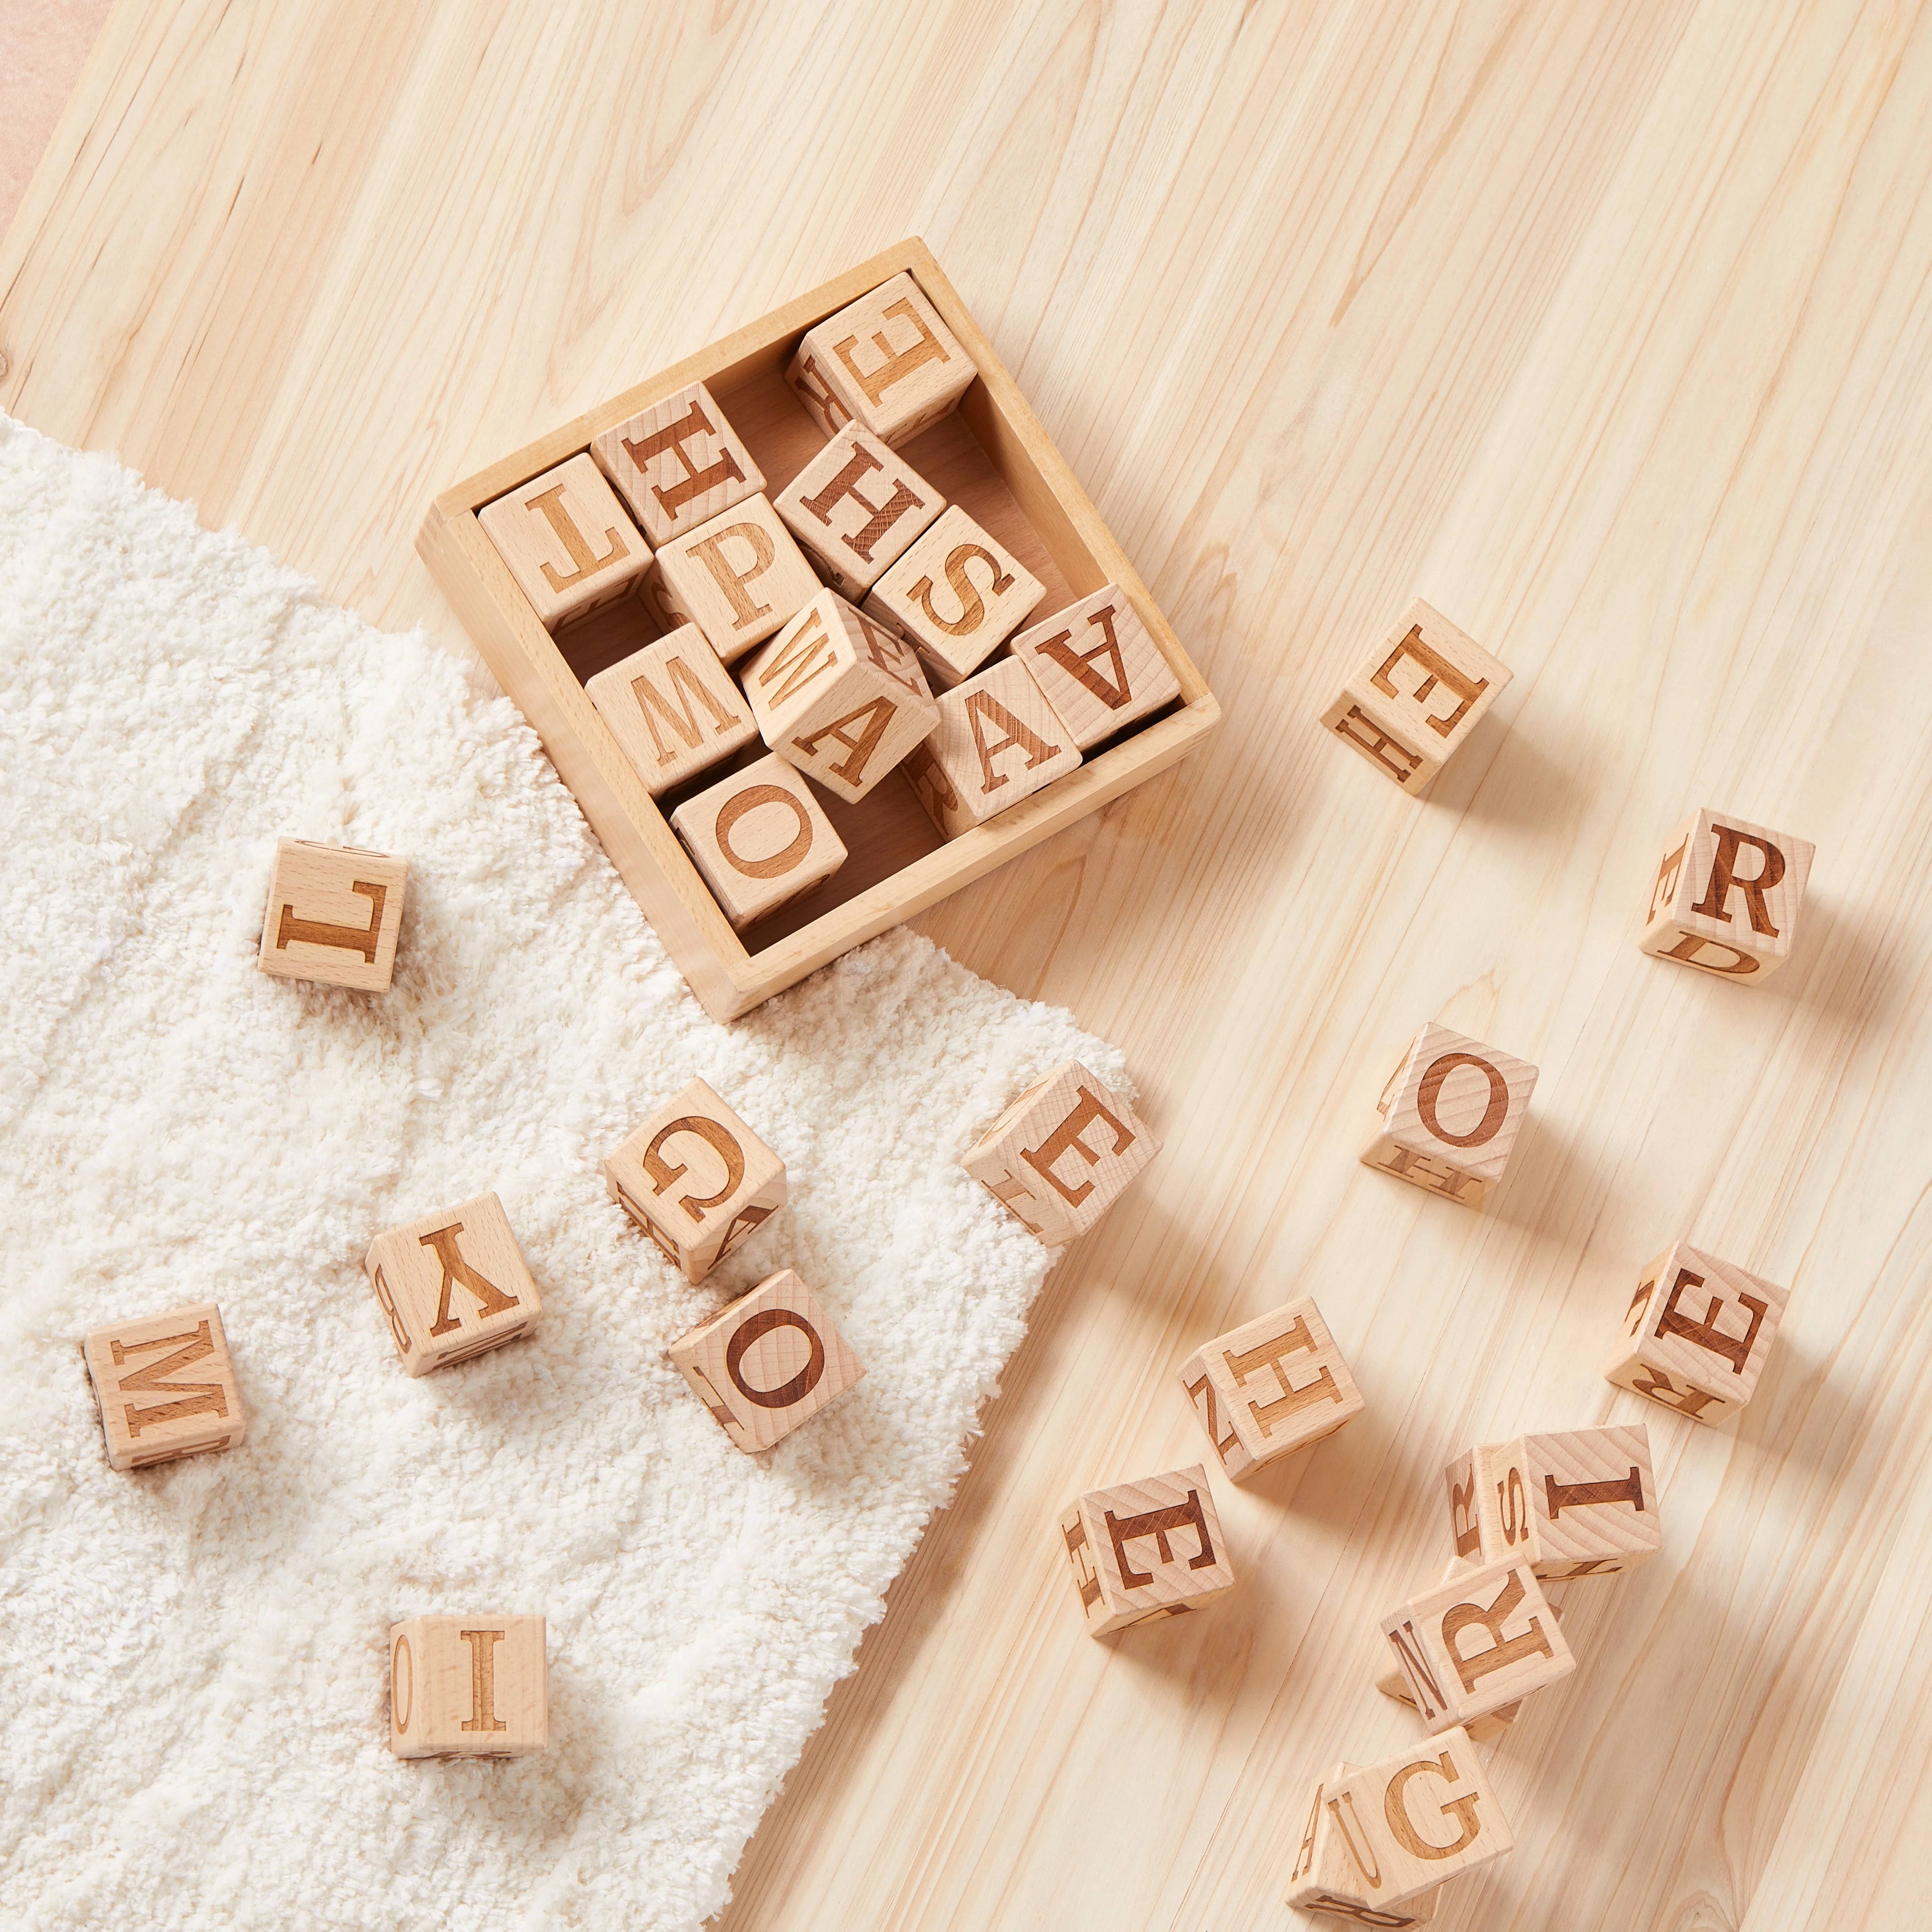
[(190, 1398)]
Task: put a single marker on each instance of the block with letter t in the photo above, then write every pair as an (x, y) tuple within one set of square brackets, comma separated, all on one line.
[(678, 463), (165, 1385), (1697, 1334), (887, 361), (334, 915), (452, 1285), (1579, 1503), (1451, 1112), (1727, 897), (1144, 1549), (468, 1686), (1481, 1640)]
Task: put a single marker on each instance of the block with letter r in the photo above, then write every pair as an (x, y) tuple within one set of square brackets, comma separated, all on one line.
[(1480, 1640), (452, 1285), (1697, 1334), (1146, 1549), (1727, 897)]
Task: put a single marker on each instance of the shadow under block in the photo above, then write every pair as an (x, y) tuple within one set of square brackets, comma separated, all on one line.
[(1482, 1639), (1485, 1730), (468, 1686), (678, 463), (452, 1285), (1579, 1503), (854, 508), (697, 1180), (674, 708), (758, 838), (1727, 896), (886, 362), (956, 596), (767, 1362), (1062, 1153), (840, 697), (1271, 1387), (997, 741), (1148, 1548), (1451, 1112), (334, 915), (741, 576), (1697, 1334), (568, 542), (1099, 666), (166, 1386)]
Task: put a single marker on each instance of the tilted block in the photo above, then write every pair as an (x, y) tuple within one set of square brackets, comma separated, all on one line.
[(334, 915), (1582, 1503), (452, 1286), (956, 596), (885, 361), (1099, 666), (997, 741), (739, 578), (468, 1686), (1394, 1683), (758, 838), (1271, 1387), (1482, 1639), (165, 1385), (673, 708), (697, 1180), (678, 463), (855, 508), (1727, 896), (1145, 1549), (568, 542), (1698, 1333), (769, 1361), (1451, 1112)]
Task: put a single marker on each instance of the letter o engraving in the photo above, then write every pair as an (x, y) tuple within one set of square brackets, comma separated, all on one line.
[(801, 1384), (1427, 1094), (749, 800), (402, 1683)]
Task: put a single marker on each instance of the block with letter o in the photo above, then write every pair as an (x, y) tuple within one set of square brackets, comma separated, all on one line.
[(1451, 1112)]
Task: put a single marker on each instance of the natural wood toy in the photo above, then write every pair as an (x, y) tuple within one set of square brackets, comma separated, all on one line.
[(1417, 697), (997, 741), (766, 1362), (468, 1686), (1271, 1387), (678, 463), (674, 708), (956, 595), (885, 361), (697, 1180), (1149, 1549), (1479, 1640), (758, 838), (740, 577), (1698, 1332), (1727, 897), (1486, 1729), (839, 697), (1451, 1112), (452, 1285), (661, 605), (568, 542), (855, 507), (334, 915), (1098, 666), (1582, 1503), (166, 1386), (1062, 1153)]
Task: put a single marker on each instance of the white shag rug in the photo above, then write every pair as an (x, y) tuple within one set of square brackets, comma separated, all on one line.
[(193, 1659)]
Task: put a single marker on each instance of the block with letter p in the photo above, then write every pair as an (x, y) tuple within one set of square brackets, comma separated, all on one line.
[(334, 915), (165, 1385), (1148, 1548), (452, 1285), (1099, 668), (887, 361), (758, 838), (741, 576), (1581, 1503), (1697, 1334), (1482, 1639), (1727, 897), (1271, 1387), (468, 1686), (1451, 1112)]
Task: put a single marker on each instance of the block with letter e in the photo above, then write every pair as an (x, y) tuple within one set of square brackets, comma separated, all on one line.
[(1727, 897), (165, 1385), (334, 915), (1451, 1113), (855, 508), (1480, 1639), (1144, 1549), (452, 1285), (673, 708), (1098, 665), (468, 1686), (885, 361), (758, 838), (1697, 1334), (1579, 1503), (997, 741), (678, 463), (568, 542)]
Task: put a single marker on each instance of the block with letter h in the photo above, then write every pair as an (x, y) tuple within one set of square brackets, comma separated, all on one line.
[(468, 1686), (165, 1385), (452, 1285), (334, 916), (1451, 1113), (1145, 1549), (885, 362), (855, 509), (1697, 1334), (1582, 1503), (678, 463), (1727, 897)]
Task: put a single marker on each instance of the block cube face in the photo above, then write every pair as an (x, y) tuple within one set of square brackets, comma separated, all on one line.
[(1697, 1334), (1483, 1639), (1098, 665), (855, 508), (452, 1285), (673, 708), (568, 542), (740, 578), (997, 741), (1579, 1503), (769, 1361), (1271, 1387), (468, 1686), (165, 1385), (956, 596), (1145, 1549), (885, 361), (1727, 897), (678, 463), (697, 1180), (758, 838), (1451, 1114), (334, 915)]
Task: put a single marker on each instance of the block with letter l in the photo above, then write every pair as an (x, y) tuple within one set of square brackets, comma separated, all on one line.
[(1271, 1387), (885, 361), (452, 1285), (1727, 897), (1697, 1334), (1451, 1113), (468, 1686), (678, 463), (334, 916), (569, 542), (1579, 1503), (165, 1385), (1480, 1640), (673, 708), (1099, 668), (1144, 1549)]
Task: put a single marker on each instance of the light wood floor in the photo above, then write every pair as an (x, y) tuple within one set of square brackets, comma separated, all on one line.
[(1606, 327)]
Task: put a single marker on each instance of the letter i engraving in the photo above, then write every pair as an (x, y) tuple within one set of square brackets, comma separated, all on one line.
[(483, 1680)]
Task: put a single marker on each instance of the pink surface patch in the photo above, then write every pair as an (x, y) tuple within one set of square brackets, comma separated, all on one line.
[(43, 46)]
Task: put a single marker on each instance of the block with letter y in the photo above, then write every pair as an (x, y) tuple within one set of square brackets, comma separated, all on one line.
[(334, 915), (1144, 1549), (1727, 897), (1579, 1503), (1482, 1639), (468, 1686), (165, 1385), (1451, 1112), (1697, 1334), (452, 1285)]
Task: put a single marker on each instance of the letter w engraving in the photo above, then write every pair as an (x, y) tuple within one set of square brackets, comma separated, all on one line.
[(191, 1398), (490, 1300)]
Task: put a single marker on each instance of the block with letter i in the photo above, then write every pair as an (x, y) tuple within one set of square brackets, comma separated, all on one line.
[(758, 838), (452, 1285), (1451, 1113), (1580, 1503), (334, 915), (1145, 1549), (1097, 664), (1727, 897), (678, 463), (855, 508), (468, 1686), (568, 542), (1697, 1334), (673, 708), (885, 361), (1271, 1387), (997, 741), (1482, 1639), (165, 1385), (956, 596)]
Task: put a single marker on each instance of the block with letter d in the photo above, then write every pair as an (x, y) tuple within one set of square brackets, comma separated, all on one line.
[(1144, 1549), (1581, 1503), (468, 1686), (1482, 1639), (334, 916), (452, 1285), (165, 1385), (1451, 1112), (1727, 897), (1097, 664), (1697, 1334)]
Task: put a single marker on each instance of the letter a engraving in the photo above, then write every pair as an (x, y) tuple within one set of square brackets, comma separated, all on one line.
[(490, 1300)]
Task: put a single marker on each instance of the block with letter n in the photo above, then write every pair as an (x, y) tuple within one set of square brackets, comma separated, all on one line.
[(673, 708), (1727, 897), (165, 1385), (334, 916), (1451, 1112), (1697, 1334), (468, 1686), (1100, 668), (1145, 1549), (452, 1285), (1582, 1502)]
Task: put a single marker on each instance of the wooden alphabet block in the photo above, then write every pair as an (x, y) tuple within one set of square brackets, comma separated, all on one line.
[(334, 915), (997, 741), (1727, 896), (1062, 1154), (1698, 1333), (759, 838), (1418, 698), (1582, 1503), (740, 577), (1451, 1112), (452, 1285), (843, 700), (1098, 665), (674, 708), (885, 361), (165, 1385), (468, 1686), (661, 605), (678, 463), (769, 1361), (855, 508), (1271, 1387), (1482, 1639), (568, 541), (1149, 1549), (697, 1180), (955, 595)]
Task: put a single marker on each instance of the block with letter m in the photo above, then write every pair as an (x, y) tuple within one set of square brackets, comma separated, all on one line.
[(165, 1385)]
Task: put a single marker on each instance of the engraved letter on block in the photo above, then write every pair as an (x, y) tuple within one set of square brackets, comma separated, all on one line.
[(452, 1285), (166, 1386), (468, 1686), (885, 361), (1451, 1112), (1144, 1549), (1727, 897), (1697, 1334), (1582, 1503), (334, 915), (1479, 1641)]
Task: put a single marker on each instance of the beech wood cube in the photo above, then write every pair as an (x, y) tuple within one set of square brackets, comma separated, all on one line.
[(997, 741), (855, 508), (1698, 1332), (166, 1386), (1144, 1549), (1271, 1387), (758, 838), (1581, 1503), (678, 463), (885, 361), (1099, 668), (1451, 1113), (334, 915), (568, 542), (1516, 1646), (468, 1686), (1727, 897), (661, 606), (739, 577), (956, 596), (674, 708), (452, 1285)]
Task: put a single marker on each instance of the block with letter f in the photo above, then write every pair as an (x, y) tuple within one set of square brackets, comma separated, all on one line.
[(1727, 897), (1697, 1334), (452, 1285), (1579, 1503), (1144, 1549), (1451, 1113)]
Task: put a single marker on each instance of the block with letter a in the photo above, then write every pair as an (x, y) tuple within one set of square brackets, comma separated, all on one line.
[(697, 1180), (885, 361), (1697, 1334), (1579, 1503), (766, 1362), (452, 1285), (741, 576), (334, 915), (997, 741), (673, 708), (1100, 668), (855, 508), (468, 1686), (678, 463), (1271, 1387), (1145, 1549), (956, 596), (1414, 703), (1451, 1112), (1727, 897), (1482, 1639), (1062, 1153), (758, 838), (165, 1385), (569, 542)]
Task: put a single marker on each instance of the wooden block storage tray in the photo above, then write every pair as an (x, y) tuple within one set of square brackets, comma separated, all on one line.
[(992, 457)]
